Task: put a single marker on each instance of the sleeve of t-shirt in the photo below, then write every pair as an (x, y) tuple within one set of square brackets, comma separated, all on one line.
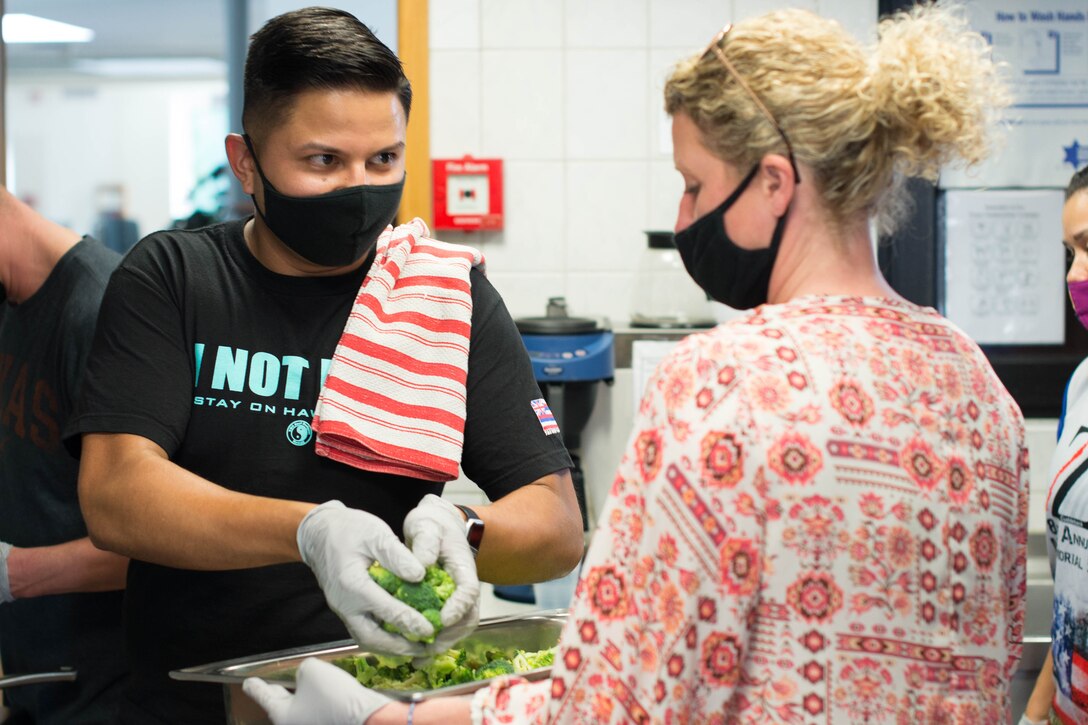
[(506, 446), (139, 376)]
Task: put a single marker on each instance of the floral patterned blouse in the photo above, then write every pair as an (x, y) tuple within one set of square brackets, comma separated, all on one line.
[(820, 518)]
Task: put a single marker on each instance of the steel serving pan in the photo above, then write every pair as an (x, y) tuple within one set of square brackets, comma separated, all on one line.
[(532, 631), (63, 675)]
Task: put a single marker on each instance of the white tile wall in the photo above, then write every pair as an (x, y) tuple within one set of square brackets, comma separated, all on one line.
[(521, 23), (522, 103), (526, 293), (536, 211), (569, 94), (454, 24), (689, 24), (605, 104), (606, 215), (456, 111), (607, 24)]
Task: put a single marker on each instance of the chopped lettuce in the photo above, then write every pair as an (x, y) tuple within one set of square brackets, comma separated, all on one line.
[(475, 661)]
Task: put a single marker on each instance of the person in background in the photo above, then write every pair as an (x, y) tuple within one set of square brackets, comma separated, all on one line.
[(59, 599), (220, 351), (1061, 692), (821, 514)]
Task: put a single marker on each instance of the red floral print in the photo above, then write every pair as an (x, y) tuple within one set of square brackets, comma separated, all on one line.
[(723, 459), (852, 403), (822, 513), (795, 459)]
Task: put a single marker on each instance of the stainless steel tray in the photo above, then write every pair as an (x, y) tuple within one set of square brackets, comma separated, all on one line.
[(62, 675), (531, 631)]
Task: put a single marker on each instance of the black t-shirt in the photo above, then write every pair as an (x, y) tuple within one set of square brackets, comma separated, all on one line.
[(206, 352), (43, 349)]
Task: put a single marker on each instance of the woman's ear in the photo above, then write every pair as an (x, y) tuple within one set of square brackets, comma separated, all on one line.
[(778, 182), (241, 162)]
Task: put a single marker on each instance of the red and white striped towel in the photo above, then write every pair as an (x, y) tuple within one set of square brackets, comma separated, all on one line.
[(394, 396)]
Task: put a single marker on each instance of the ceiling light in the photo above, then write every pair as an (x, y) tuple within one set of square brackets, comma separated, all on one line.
[(23, 28)]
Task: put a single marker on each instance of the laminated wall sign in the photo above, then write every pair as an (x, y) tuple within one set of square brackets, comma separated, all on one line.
[(467, 194), (1004, 266), (1043, 46)]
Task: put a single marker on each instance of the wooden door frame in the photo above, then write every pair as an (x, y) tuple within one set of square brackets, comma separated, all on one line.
[(413, 46)]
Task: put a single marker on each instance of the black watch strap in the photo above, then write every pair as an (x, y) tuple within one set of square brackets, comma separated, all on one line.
[(474, 528)]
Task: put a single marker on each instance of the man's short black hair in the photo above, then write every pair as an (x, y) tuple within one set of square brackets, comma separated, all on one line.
[(314, 48), (1077, 183)]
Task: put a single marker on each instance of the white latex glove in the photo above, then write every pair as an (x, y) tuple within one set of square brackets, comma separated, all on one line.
[(324, 694), (1025, 720), (435, 529), (339, 544), (5, 584)]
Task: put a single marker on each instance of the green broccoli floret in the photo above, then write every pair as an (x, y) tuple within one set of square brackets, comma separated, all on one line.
[(461, 675), (494, 668), (427, 596), (440, 581), (420, 596), (478, 654), (386, 579), (526, 661)]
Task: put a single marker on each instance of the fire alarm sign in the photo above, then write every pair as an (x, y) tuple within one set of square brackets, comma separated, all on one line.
[(467, 193)]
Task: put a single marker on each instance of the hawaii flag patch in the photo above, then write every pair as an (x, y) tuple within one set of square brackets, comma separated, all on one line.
[(544, 415)]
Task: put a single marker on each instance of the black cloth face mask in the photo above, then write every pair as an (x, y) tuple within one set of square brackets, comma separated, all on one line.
[(730, 274), (333, 229)]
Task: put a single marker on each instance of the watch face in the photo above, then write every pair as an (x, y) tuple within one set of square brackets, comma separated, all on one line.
[(475, 533)]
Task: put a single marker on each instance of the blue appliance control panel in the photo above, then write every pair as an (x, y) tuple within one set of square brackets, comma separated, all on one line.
[(571, 358)]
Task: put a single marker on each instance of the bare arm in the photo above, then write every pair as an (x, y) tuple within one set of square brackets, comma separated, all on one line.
[(1038, 707), (532, 534), (138, 503), (74, 566), (436, 711)]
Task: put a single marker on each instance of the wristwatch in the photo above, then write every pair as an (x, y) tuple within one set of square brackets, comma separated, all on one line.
[(474, 528)]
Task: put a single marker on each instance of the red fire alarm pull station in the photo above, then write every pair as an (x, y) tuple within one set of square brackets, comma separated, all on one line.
[(467, 193)]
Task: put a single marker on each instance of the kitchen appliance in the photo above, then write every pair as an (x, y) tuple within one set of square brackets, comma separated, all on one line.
[(664, 294), (530, 632), (571, 357)]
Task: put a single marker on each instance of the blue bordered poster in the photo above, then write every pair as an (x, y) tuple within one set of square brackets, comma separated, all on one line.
[(1044, 46)]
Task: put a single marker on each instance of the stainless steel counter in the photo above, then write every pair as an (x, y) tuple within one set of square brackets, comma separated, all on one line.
[(1040, 608)]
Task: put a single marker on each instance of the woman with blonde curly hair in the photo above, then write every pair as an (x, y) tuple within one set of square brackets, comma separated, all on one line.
[(821, 513)]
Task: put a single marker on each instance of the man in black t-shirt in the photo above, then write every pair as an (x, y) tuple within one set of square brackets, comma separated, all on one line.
[(59, 599), (211, 350)]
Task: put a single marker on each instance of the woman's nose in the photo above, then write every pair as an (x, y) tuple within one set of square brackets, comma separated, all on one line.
[(1078, 270)]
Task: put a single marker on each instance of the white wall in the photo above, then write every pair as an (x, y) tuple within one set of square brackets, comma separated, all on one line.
[(68, 134), (569, 94)]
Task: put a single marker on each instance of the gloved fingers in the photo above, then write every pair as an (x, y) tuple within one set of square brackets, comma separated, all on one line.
[(334, 696), (391, 553), (370, 636), (450, 636), (324, 677), (384, 607), (274, 699), (460, 605), (426, 544), (458, 561), (429, 524)]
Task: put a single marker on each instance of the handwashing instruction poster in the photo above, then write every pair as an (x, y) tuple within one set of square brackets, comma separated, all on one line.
[(1043, 45), (1005, 266)]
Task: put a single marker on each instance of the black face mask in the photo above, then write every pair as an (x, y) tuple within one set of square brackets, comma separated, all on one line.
[(730, 274), (333, 229)]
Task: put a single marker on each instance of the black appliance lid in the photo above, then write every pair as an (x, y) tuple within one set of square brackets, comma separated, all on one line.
[(557, 325)]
